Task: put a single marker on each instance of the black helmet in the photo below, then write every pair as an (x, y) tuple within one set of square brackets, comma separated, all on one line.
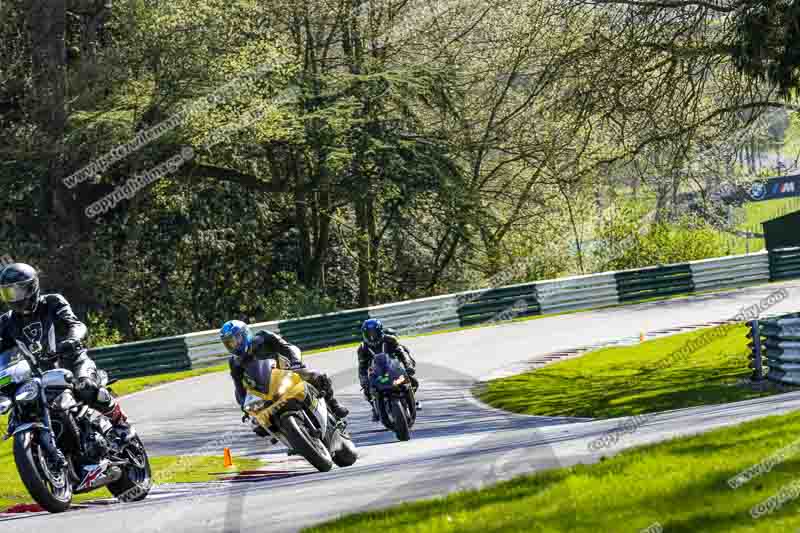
[(19, 288)]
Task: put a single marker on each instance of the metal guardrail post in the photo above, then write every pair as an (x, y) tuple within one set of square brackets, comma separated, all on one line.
[(758, 367)]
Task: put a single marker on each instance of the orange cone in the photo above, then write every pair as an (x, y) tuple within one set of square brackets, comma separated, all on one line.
[(641, 336), (228, 458)]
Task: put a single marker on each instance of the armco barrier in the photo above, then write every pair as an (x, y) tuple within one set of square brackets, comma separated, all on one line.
[(776, 345), (499, 304), (735, 271), (654, 282), (469, 308), (784, 263), (579, 292), (324, 330), (157, 356), (204, 347)]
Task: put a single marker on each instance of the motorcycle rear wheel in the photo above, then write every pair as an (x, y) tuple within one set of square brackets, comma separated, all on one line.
[(53, 491), (136, 480), (304, 444)]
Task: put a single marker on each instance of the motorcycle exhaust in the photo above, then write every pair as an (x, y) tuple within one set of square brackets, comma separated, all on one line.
[(100, 476)]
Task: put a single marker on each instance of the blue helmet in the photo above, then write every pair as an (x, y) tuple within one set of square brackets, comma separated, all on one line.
[(372, 331), (236, 336)]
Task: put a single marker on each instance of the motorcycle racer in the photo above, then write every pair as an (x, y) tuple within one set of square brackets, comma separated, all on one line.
[(377, 340), (33, 318), (248, 352)]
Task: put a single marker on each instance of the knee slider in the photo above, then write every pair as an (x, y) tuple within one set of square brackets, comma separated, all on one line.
[(103, 396)]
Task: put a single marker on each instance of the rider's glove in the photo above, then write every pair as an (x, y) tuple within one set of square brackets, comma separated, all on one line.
[(68, 347)]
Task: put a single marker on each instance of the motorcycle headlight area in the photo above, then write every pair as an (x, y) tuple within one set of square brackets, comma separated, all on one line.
[(28, 392), (21, 372), (285, 384), (253, 404)]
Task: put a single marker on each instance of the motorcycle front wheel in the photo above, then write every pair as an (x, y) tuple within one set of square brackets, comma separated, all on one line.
[(347, 454), (401, 428), (304, 444), (385, 413), (49, 488)]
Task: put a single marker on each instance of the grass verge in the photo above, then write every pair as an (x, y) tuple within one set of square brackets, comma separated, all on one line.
[(681, 485), (647, 377)]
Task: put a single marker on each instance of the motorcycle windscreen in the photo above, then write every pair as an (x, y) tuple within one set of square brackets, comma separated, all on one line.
[(258, 376), (8, 359), (385, 369)]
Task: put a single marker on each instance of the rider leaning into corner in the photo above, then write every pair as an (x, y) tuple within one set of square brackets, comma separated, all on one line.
[(30, 320), (378, 340), (247, 364)]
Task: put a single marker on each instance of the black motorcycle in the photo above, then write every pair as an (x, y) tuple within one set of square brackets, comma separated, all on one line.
[(61, 446), (393, 395)]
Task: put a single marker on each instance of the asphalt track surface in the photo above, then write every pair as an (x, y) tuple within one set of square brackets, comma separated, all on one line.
[(457, 442)]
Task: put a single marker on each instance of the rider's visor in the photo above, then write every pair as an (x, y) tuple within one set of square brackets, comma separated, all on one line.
[(372, 335), (231, 343), (17, 292)]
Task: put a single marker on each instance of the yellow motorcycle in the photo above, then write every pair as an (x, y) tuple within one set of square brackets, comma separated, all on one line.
[(293, 411)]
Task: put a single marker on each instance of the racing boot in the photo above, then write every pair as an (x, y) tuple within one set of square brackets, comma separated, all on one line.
[(338, 409), (119, 420)]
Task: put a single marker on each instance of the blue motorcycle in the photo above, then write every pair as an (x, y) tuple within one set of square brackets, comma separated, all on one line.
[(393, 395)]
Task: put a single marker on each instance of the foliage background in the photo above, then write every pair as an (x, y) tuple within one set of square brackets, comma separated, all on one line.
[(405, 149)]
